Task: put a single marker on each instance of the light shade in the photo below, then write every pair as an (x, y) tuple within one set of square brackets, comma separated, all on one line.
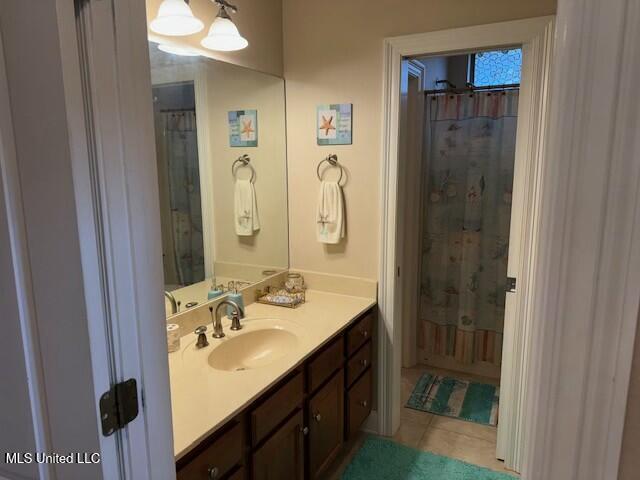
[(224, 36), (176, 50), (175, 18)]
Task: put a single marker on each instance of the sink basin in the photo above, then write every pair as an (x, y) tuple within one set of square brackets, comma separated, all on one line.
[(252, 349)]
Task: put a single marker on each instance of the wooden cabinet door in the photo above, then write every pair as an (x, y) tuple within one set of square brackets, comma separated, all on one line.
[(359, 399), (326, 425), (281, 457)]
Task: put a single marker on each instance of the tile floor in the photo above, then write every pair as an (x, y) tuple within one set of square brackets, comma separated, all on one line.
[(466, 441)]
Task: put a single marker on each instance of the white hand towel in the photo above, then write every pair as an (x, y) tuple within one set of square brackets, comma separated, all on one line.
[(330, 216), (245, 208)]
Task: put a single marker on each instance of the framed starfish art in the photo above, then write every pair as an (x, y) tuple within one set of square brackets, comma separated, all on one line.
[(243, 128), (334, 124)]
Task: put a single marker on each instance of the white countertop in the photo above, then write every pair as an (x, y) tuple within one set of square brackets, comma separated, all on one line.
[(203, 398)]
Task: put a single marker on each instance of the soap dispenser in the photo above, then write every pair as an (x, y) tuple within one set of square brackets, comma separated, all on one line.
[(214, 292), (236, 298)]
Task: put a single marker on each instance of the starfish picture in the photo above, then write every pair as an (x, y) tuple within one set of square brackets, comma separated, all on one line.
[(246, 128), (326, 125)]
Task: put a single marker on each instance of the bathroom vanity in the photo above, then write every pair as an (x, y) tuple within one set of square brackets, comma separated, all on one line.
[(289, 418)]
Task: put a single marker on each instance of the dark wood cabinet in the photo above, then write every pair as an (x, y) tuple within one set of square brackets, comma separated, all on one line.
[(213, 460), (282, 455), (326, 425), (296, 429), (359, 400), (276, 407)]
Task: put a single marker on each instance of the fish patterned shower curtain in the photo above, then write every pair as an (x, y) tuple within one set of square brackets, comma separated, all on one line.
[(469, 154), (179, 148)]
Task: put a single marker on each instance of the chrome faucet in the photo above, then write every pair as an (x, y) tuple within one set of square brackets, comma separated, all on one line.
[(172, 301), (236, 315)]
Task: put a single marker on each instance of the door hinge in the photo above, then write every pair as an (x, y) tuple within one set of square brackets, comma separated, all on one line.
[(119, 406), (511, 284)]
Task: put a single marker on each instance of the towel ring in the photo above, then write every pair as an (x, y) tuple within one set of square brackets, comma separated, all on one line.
[(244, 161), (332, 160)]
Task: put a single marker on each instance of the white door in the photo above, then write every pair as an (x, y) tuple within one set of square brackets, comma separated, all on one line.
[(117, 193), (77, 191)]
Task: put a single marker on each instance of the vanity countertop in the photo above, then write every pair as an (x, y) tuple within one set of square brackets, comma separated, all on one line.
[(203, 398)]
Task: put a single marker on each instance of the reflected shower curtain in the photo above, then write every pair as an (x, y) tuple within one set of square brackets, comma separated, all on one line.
[(469, 155), (179, 149)]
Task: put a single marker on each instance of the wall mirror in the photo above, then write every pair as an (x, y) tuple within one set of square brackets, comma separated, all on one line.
[(221, 159)]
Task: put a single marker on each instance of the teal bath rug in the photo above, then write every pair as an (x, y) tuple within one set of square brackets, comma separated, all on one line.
[(386, 460), (474, 402)]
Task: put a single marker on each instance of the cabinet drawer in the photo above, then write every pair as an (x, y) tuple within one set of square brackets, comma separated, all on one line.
[(358, 403), (276, 408), (359, 333), (219, 457), (358, 363), (325, 363)]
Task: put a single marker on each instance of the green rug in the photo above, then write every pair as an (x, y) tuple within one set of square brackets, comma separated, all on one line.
[(474, 402), (386, 460)]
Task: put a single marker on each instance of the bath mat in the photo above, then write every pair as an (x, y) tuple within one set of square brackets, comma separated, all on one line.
[(386, 460), (474, 402)]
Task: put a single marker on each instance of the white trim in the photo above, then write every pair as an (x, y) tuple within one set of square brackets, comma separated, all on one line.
[(523, 241), (589, 273), (529, 33), (107, 94), (12, 201), (411, 185)]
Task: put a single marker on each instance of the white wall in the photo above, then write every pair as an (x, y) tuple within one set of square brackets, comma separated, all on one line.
[(15, 406)]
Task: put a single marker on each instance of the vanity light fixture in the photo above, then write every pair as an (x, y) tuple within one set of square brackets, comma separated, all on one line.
[(175, 19), (223, 34)]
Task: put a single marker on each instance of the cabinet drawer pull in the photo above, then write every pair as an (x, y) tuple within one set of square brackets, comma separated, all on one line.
[(317, 417), (365, 333), (213, 473), (364, 362), (364, 403), (304, 430)]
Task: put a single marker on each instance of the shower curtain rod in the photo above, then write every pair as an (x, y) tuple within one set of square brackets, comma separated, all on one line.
[(506, 86)]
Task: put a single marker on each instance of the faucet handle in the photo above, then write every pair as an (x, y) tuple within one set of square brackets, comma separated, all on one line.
[(202, 337)]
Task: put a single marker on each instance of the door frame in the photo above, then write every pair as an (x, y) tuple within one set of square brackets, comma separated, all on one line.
[(536, 37), (588, 274), (105, 65)]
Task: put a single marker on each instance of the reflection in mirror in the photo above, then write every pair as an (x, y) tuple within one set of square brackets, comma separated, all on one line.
[(221, 161)]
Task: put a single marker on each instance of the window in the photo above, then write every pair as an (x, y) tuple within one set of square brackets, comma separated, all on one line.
[(500, 67)]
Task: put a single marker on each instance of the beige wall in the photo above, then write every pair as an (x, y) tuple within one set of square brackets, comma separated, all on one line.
[(630, 457), (333, 54), (259, 21)]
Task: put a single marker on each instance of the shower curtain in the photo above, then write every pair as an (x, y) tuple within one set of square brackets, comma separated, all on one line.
[(179, 150), (469, 155)]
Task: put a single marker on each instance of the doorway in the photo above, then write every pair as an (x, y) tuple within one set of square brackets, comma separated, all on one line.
[(450, 346), (457, 176)]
